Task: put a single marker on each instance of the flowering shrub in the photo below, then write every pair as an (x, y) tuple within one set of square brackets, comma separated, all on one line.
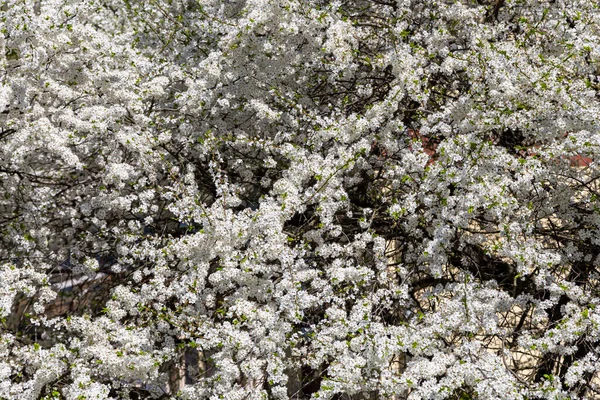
[(293, 199)]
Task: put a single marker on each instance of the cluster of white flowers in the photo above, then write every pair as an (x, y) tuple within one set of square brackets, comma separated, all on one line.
[(299, 199)]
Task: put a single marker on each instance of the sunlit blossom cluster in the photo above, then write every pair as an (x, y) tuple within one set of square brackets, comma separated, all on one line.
[(299, 199)]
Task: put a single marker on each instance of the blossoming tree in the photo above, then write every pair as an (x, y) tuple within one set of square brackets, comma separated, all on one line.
[(293, 199)]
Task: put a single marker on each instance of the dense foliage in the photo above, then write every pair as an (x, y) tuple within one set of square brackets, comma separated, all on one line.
[(277, 199)]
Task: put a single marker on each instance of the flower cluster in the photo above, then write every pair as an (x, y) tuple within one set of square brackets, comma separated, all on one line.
[(296, 199)]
